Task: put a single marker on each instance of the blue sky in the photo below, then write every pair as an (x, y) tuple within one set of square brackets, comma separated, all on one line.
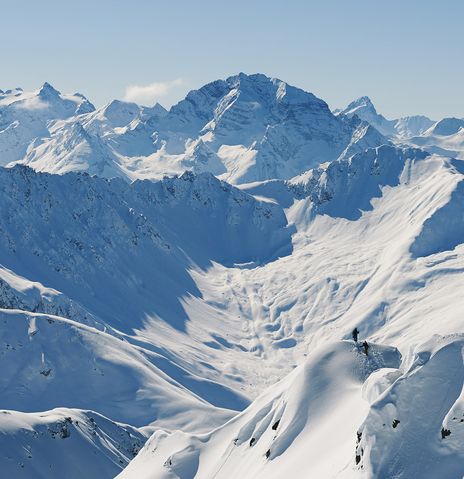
[(406, 55)]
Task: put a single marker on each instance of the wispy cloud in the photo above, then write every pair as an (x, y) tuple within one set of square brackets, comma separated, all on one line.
[(148, 94)]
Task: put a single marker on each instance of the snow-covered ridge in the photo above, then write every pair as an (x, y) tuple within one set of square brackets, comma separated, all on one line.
[(446, 127), (444, 137), (346, 187), (51, 362), (24, 116), (294, 420), (244, 128), (374, 410), (444, 229), (20, 293), (402, 128), (70, 232)]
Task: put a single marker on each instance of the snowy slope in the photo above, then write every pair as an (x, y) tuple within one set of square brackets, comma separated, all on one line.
[(119, 258), (390, 288), (395, 291), (409, 223), (50, 362), (65, 443), (289, 430), (241, 327), (420, 415), (311, 423), (75, 233)]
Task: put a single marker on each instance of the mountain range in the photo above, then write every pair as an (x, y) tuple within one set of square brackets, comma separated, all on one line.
[(179, 288)]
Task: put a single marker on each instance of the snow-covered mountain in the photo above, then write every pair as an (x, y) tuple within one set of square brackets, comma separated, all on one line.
[(444, 137), (217, 320), (25, 116), (402, 128), (261, 128), (245, 128)]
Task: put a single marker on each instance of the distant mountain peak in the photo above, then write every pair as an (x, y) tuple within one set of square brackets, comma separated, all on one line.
[(364, 100), (9, 91), (47, 91), (157, 108), (361, 102), (447, 126), (120, 113), (404, 127), (262, 85)]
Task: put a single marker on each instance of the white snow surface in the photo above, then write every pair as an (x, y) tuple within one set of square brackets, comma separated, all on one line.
[(216, 319), (65, 443), (307, 425)]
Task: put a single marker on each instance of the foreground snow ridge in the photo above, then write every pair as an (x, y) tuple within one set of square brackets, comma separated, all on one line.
[(311, 421), (179, 289)]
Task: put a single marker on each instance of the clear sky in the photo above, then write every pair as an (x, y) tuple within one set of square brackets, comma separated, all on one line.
[(407, 55)]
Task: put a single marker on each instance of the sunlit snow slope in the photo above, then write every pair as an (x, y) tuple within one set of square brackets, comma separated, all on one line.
[(386, 262), (310, 424)]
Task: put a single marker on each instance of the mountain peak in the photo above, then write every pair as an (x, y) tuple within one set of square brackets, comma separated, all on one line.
[(120, 113), (364, 109), (47, 91), (263, 85), (361, 102), (157, 108), (252, 77), (119, 104)]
